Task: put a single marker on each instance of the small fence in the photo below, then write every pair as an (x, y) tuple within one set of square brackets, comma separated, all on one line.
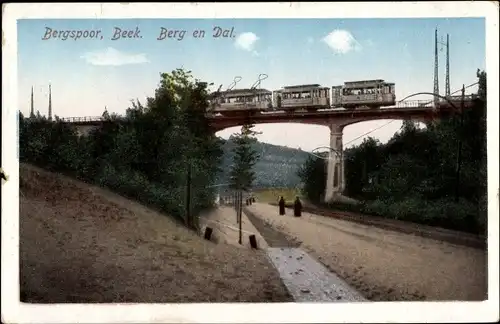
[(81, 119), (237, 199)]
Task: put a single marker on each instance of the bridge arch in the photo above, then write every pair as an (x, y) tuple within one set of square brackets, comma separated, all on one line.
[(305, 123)]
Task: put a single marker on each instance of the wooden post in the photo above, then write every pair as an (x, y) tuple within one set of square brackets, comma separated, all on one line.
[(208, 233), (188, 196), (459, 153), (253, 241)]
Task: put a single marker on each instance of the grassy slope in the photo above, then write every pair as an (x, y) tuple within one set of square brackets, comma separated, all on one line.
[(272, 195), (80, 243)]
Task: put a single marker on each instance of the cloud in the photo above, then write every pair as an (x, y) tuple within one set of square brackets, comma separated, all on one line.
[(113, 57), (341, 41), (246, 41)]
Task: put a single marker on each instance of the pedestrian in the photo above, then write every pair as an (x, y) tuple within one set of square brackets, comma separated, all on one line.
[(297, 207), (282, 206)]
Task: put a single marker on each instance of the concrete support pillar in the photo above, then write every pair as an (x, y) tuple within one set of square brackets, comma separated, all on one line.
[(335, 184)]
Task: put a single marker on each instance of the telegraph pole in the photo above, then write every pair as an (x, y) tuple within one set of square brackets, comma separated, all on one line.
[(240, 212), (459, 153), (32, 110), (188, 195), (50, 102)]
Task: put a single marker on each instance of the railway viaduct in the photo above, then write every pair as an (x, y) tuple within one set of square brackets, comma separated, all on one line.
[(335, 119)]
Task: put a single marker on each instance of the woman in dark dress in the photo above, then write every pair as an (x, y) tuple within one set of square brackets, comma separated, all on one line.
[(282, 205), (297, 207)]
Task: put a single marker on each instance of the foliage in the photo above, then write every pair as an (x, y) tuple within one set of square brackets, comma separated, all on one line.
[(242, 174), (417, 176), (143, 155), (312, 174)]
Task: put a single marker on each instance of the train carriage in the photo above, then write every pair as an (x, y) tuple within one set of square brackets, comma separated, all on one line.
[(238, 101), (366, 93), (309, 97)]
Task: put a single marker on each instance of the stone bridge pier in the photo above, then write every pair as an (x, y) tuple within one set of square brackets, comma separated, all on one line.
[(335, 182)]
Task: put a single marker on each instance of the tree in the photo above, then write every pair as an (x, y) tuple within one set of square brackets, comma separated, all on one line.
[(414, 175), (245, 157), (142, 155), (313, 176), (360, 163)]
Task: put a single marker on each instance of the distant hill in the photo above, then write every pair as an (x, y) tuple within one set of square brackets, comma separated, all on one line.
[(276, 168)]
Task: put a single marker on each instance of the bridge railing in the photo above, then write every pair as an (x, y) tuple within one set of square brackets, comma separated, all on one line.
[(469, 97), (430, 103), (414, 104), (81, 119)]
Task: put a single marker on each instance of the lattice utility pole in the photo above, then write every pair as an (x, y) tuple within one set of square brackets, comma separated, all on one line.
[(447, 45), (436, 68), (447, 93), (50, 102)]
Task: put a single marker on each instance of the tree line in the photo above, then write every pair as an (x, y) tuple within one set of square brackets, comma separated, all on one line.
[(436, 175), (156, 153)]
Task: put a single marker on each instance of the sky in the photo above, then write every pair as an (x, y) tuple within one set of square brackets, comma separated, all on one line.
[(89, 70)]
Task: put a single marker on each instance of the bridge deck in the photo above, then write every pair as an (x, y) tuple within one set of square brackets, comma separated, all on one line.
[(414, 107)]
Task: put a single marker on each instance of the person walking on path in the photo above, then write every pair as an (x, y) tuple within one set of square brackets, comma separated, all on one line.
[(297, 207), (282, 205)]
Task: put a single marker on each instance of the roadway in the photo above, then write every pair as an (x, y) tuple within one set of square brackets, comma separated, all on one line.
[(384, 264)]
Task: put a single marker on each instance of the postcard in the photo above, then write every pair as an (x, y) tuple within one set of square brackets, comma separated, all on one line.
[(271, 162)]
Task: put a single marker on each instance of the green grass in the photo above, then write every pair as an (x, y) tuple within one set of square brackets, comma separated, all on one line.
[(272, 195)]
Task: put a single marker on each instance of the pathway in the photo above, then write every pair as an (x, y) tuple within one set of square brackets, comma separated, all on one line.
[(306, 279), (309, 281), (382, 264)]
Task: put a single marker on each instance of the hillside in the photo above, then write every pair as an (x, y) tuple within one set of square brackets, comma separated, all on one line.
[(277, 167), (84, 244)]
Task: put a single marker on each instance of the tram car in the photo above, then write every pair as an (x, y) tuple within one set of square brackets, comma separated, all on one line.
[(364, 94), (309, 97), (237, 101)]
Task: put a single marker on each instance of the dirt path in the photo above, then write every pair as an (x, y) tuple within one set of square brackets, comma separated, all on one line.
[(436, 233), (386, 265), (84, 244), (273, 237), (226, 228)]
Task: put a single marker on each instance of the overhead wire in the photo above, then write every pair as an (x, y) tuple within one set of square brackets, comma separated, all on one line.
[(470, 85)]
